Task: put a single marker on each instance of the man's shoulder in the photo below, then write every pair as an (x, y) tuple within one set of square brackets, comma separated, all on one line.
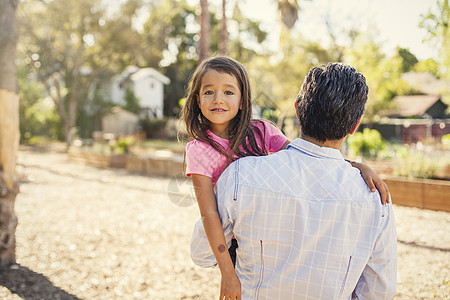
[(248, 169), (244, 166)]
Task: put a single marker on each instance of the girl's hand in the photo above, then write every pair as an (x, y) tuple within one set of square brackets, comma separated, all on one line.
[(230, 287), (373, 181)]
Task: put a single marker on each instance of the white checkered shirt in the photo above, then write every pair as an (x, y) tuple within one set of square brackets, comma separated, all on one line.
[(307, 227)]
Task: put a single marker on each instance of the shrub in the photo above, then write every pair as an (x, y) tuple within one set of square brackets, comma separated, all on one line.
[(416, 164), (123, 145), (153, 128), (446, 141), (367, 143)]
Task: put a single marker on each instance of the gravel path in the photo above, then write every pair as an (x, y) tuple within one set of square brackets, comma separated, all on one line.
[(88, 233)]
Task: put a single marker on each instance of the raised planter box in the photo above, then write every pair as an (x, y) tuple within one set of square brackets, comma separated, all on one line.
[(98, 159), (155, 166), (421, 193)]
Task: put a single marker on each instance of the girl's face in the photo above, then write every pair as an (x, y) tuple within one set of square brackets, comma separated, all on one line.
[(219, 100)]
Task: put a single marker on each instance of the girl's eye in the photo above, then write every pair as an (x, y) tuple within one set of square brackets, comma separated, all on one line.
[(229, 93), (208, 93)]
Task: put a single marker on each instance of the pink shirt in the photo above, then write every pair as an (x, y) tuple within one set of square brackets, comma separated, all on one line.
[(203, 159)]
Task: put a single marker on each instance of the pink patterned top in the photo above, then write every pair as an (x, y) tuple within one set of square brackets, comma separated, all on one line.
[(203, 159)]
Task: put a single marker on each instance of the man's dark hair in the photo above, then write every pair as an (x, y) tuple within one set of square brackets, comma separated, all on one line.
[(331, 101)]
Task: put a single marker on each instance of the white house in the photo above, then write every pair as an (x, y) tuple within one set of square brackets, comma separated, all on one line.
[(147, 85)]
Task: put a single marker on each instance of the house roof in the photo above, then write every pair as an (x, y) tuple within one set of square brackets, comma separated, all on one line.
[(119, 110), (416, 105), (149, 72)]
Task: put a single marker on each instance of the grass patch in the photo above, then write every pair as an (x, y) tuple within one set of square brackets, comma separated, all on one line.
[(172, 145)]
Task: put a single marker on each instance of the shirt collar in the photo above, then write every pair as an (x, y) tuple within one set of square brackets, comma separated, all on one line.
[(315, 150)]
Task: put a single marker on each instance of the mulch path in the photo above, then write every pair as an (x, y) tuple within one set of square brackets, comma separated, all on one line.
[(89, 233)]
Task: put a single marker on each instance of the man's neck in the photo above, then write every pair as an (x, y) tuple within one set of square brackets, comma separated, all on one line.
[(335, 144)]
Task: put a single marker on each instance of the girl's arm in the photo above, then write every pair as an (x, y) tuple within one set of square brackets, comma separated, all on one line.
[(230, 284), (285, 145), (372, 180)]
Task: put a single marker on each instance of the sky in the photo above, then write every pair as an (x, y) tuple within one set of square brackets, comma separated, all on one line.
[(396, 21)]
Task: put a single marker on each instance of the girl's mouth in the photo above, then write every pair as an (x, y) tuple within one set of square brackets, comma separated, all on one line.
[(218, 110)]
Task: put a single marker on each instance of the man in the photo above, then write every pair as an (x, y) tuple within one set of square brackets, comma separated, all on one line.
[(306, 223)]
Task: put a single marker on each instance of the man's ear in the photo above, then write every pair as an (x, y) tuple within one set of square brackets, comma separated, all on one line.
[(356, 126)]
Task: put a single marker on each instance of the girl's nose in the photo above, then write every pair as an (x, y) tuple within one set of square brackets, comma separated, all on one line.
[(218, 98)]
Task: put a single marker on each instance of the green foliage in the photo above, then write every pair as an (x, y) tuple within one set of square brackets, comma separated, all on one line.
[(90, 113), (120, 146), (409, 60), (437, 26), (428, 65), (39, 141), (72, 47), (279, 81), (37, 114), (270, 114), (367, 143), (168, 44), (383, 74), (153, 127), (131, 102), (123, 145), (446, 141), (416, 164), (366, 56), (182, 101), (40, 120), (164, 144), (165, 31), (248, 37)]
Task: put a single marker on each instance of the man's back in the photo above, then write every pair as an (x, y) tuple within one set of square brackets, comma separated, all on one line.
[(307, 227)]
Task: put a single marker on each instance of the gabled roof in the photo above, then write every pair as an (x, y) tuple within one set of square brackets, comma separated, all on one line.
[(134, 73), (149, 72), (415, 105), (119, 110)]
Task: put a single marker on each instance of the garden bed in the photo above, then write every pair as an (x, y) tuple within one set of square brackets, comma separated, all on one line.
[(166, 164), (421, 193), (99, 160)]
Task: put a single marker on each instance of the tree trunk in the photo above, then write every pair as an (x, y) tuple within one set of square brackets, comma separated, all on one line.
[(223, 42), (9, 131), (204, 43), (289, 12)]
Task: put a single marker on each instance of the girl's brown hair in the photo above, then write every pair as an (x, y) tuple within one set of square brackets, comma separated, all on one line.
[(241, 130)]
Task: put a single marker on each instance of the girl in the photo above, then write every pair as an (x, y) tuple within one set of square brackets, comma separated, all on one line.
[(217, 115)]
